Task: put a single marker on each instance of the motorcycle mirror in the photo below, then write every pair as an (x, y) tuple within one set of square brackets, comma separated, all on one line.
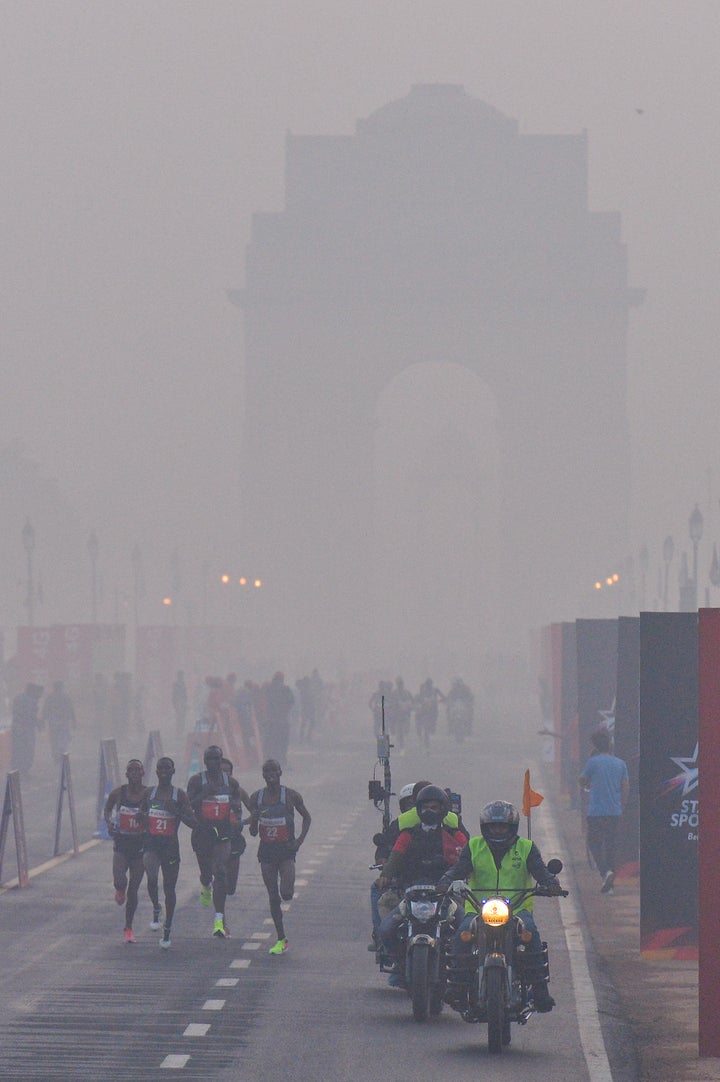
[(555, 866), (378, 839)]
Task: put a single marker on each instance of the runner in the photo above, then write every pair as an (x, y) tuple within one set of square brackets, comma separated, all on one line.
[(213, 795), (238, 845), (163, 809), (125, 827), (273, 817)]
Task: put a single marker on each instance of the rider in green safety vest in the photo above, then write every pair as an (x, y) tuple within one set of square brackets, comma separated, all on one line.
[(497, 861)]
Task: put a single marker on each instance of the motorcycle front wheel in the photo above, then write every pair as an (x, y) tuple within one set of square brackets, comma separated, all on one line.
[(420, 981), (495, 985)]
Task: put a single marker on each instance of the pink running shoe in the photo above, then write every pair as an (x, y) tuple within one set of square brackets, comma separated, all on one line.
[(129, 937), (120, 897)]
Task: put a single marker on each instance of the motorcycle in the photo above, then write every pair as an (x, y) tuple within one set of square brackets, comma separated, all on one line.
[(424, 937), (460, 718), (502, 992)]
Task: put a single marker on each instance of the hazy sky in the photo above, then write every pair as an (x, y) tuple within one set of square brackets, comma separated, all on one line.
[(139, 138)]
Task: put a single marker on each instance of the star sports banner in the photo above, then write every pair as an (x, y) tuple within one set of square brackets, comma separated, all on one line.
[(627, 736), (669, 793), (709, 839)]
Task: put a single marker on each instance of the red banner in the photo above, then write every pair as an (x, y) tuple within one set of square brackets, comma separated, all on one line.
[(34, 662)]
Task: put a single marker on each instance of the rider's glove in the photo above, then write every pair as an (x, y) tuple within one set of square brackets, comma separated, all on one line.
[(457, 886), (553, 885)]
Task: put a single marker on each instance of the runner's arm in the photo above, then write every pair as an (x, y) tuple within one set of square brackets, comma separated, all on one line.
[(306, 818)]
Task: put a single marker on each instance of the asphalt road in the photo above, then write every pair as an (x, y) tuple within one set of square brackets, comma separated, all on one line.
[(78, 1004)]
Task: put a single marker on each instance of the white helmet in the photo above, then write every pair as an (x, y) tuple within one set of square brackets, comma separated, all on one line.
[(406, 791)]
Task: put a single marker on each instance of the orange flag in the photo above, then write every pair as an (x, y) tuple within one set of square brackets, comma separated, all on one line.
[(531, 799)]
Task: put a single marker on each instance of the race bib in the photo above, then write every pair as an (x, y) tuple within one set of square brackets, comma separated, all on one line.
[(274, 830), (128, 821), (160, 823), (215, 808)]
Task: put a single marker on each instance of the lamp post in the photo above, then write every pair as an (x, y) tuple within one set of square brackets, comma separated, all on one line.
[(668, 553), (695, 529), (92, 547), (28, 540)]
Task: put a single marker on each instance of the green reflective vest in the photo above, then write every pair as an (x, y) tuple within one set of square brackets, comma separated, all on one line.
[(513, 874), (410, 818)]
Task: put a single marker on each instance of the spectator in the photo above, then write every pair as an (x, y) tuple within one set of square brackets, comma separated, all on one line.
[(24, 725), (605, 778), (59, 713)]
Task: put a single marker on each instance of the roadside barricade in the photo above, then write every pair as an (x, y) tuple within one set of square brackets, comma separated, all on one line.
[(108, 779), (12, 809)]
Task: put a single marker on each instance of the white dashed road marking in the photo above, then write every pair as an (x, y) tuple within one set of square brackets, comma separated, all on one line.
[(213, 1004), (227, 982), (250, 947), (240, 963), (260, 935), (196, 1029), (174, 1062)]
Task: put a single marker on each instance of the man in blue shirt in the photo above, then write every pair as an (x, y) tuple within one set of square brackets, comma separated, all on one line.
[(605, 778)]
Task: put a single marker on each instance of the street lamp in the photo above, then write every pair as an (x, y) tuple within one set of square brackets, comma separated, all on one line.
[(28, 540), (92, 547), (668, 553), (695, 528)]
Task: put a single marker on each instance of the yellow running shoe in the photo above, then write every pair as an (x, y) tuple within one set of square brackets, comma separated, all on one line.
[(219, 928), (280, 947), (205, 895)]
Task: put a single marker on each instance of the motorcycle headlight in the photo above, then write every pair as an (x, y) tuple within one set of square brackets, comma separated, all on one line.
[(495, 912), (423, 910)]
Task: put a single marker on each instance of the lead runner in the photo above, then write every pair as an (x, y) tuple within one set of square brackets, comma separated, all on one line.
[(272, 816)]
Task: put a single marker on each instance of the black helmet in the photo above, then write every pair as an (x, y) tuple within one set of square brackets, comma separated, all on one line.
[(432, 794), (499, 822)]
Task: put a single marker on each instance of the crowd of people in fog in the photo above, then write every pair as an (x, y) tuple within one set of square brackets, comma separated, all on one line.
[(261, 714), (393, 707)]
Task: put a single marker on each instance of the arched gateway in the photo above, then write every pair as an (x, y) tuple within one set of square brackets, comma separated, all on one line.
[(436, 233)]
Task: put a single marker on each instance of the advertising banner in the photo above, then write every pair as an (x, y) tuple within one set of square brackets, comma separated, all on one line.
[(627, 738), (597, 646), (34, 662), (570, 749), (709, 838), (669, 793)]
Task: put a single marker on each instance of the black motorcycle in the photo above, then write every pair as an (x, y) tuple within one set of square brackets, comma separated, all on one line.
[(502, 991), (424, 937)]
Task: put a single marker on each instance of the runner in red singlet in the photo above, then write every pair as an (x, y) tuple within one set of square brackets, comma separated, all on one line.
[(214, 795), (273, 818), (163, 809), (125, 827)]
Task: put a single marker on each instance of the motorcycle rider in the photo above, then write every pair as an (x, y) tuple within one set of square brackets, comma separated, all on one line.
[(384, 841), (426, 710), (460, 699), (420, 854), (498, 860), (410, 818)]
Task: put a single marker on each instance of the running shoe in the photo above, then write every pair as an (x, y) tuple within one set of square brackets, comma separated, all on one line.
[(205, 895), (219, 929), (280, 947), (129, 937), (120, 897), (165, 941), (155, 922)]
